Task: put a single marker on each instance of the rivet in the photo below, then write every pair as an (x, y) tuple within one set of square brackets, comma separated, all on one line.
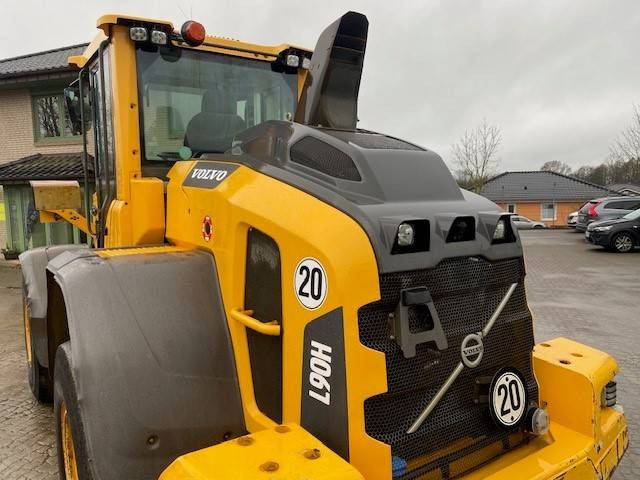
[(226, 436), (312, 454), (282, 429), (269, 467), (245, 441)]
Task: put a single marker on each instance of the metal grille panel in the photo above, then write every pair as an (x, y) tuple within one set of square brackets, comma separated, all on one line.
[(321, 156), (459, 434)]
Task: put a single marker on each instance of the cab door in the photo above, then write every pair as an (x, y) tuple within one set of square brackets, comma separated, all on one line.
[(103, 141)]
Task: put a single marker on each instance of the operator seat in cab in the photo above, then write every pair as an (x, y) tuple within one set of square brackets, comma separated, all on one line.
[(212, 130)]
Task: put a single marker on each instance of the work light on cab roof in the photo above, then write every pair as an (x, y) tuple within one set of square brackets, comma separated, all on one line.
[(191, 32)]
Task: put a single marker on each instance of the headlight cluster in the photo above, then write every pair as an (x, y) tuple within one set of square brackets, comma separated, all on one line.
[(500, 231), (602, 229), (405, 235), (412, 236)]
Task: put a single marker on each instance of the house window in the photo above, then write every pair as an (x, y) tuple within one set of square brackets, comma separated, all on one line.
[(50, 119), (548, 211), (511, 208)]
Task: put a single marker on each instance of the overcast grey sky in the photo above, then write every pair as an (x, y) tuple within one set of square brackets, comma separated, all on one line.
[(559, 77)]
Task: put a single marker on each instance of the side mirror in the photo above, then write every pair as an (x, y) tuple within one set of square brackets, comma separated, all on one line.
[(72, 104)]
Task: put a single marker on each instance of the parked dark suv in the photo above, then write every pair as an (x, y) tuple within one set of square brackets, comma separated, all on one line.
[(621, 234), (607, 208)]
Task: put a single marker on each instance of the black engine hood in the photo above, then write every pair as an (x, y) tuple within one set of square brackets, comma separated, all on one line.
[(380, 181)]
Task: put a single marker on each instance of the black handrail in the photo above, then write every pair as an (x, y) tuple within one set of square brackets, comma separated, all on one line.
[(105, 144), (85, 159)]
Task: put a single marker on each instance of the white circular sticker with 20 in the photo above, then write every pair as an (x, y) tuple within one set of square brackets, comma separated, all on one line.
[(310, 283), (508, 399)]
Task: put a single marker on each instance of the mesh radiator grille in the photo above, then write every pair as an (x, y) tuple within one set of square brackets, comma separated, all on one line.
[(459, 434)]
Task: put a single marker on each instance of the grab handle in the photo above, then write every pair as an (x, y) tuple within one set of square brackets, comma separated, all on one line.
[(245, 318)]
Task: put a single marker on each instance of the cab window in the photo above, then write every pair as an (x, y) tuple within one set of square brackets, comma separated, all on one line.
[(201, 99)]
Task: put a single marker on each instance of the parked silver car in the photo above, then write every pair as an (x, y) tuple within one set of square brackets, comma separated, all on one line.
[(523, 223), (607, 208), (572, 219)]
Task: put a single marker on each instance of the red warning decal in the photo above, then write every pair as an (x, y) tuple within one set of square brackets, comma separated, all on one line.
[(207, 228)]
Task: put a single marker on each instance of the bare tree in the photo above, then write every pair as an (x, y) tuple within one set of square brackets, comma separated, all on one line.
[(627, 146), (474, 155), (556, 166)]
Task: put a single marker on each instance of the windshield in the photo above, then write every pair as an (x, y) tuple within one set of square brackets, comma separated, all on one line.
[(633, 215), (201, 100)]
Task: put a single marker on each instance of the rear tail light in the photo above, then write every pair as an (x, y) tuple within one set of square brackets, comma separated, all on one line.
[(592, 209), (610, 394)]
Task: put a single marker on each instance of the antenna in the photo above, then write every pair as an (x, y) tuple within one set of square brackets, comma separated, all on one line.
[(182, 11)]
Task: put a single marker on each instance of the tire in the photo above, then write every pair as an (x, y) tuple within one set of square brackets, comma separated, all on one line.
[(70, 437), (38, 375), (538, 227), (622, 243)]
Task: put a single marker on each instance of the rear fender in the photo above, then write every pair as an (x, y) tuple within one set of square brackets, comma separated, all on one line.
[(34, 283), (151, 354)]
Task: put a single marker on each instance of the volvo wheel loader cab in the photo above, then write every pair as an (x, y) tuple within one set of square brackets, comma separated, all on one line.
[(286, 295)]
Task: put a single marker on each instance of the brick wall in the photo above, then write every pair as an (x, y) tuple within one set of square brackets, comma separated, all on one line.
[(16, 129), (16, 134), (533, 210)]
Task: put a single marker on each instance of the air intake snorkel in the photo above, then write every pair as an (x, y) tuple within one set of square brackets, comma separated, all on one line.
[(330, 93)]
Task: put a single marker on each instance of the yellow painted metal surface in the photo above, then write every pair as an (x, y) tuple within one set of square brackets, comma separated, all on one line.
[(585, 440), (66, 215), (312, 228), (286, 452), (68, 448), (266, 328), (27, 329), (106, 21), (109, 22), (56, 194), (119, 252), (571, 377), (141, 220)]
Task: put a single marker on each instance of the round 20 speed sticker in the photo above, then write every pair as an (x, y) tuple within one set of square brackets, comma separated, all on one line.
[(508, 398), (310, 283)]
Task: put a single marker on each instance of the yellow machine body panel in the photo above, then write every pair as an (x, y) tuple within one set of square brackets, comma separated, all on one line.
[(565, 452), (286, 452), (248, 199)]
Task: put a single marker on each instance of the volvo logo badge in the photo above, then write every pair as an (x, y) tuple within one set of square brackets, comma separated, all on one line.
[(472, 350)]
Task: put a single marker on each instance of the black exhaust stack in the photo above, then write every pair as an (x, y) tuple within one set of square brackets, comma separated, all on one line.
[(330, 94)]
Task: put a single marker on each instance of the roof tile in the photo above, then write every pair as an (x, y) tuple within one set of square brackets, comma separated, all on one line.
[(49, 166), (50, 60), (535, 186)]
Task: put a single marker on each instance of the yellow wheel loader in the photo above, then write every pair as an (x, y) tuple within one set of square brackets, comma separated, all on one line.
[(274, 293)]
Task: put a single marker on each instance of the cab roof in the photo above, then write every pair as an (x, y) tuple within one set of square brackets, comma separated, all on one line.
[(227, 45)]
